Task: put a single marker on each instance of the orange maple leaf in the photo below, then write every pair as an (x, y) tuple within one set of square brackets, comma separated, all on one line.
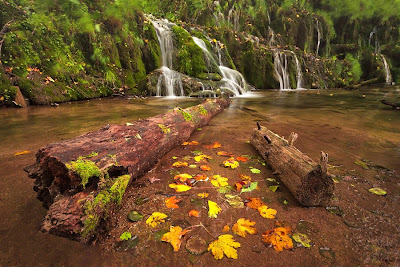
[(225, 154), (174, 237), (182, 177), (255, 203), (278, 238), (245, 178), (200, 177), (214, 145), (242, 159), (194, 213), (192, 143), (205, 168), (171, 202)]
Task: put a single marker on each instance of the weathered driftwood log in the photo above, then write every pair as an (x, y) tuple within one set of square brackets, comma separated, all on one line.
[(308, 181), (82, 180)]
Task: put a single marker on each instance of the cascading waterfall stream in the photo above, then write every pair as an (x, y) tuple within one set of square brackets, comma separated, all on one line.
[(282, 71), (319, 38), (233, 80), (170, 80), (389, 78)]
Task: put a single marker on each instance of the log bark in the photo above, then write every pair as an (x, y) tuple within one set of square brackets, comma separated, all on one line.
[(117, 150), (390, 103), (308, 181)]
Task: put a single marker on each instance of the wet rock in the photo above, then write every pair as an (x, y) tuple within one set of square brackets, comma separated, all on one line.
[(127, 244), (135, 216), (196, 245), (351, 220), (335, 210), (141, 200), (306, 227), (327, 253)]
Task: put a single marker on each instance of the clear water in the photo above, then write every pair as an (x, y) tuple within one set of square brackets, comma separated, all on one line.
[(346, 124)]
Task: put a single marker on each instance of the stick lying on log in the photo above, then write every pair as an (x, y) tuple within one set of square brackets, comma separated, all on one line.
[(82, 180), (392, 104), (306, 180)]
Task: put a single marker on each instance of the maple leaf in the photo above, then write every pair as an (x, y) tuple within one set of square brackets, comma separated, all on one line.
[(192, 143), (225, 244), (156, 218), (200, 177), (174, 237), (203, 195), (239, 185), (194, 213), (234, 201), (214, 145), (201, 158), (219, 181), (224, 154), (232, 163), (213, 209), (179, 164), (182, 177), (180, 187), (266, 212), (171, 202), (242, 227), (245, 178), (278, 238), (242, 159), (205, 168), (255, 203)]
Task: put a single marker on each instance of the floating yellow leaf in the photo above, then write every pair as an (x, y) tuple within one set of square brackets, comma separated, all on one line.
[(205, 168), (213, 209), (225, 244), (245, 178), (255, 203), (278, 238), (232, 163), (192, 143), (179, 164), (22, 153), (156, 218), (242, 227), (171, 202), (266, 212), (182, 177), (219, 181), (377, 191), (203, 195), (201, 158), (194, 213), (174, 237), (180, 187), (214, 145)]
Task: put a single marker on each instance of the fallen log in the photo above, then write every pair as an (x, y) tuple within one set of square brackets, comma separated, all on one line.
[(308, 181), (83, 180)]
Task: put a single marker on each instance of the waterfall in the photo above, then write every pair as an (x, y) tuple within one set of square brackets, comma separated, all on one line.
[(319, 38), (389, 79), (169, 80), (233, 80), (271, 36), (281, 68), (233, 19)]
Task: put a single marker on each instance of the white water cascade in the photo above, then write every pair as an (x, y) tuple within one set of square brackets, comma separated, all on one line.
[(389, 78), (170, 80), (281, 67), (319, 38), (233, 80)]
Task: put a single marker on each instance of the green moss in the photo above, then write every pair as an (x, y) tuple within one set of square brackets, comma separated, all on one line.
[(7, 92), (164, 128), (187, 116), (85, 169), (97, 209), (355, 70), (202, 110)]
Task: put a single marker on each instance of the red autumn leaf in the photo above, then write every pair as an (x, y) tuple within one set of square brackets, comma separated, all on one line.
[(205, 168), (194, 213), (225, 154), (214, 145), (171, 202), (242, 159)]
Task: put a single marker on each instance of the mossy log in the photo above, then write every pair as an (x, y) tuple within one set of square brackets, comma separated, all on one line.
[(82, 180), (308, 181)]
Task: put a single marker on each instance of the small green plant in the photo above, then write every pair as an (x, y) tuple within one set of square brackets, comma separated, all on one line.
[(164, 128), (85, 169), (91, 155), (187, 116), (125, 236)]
